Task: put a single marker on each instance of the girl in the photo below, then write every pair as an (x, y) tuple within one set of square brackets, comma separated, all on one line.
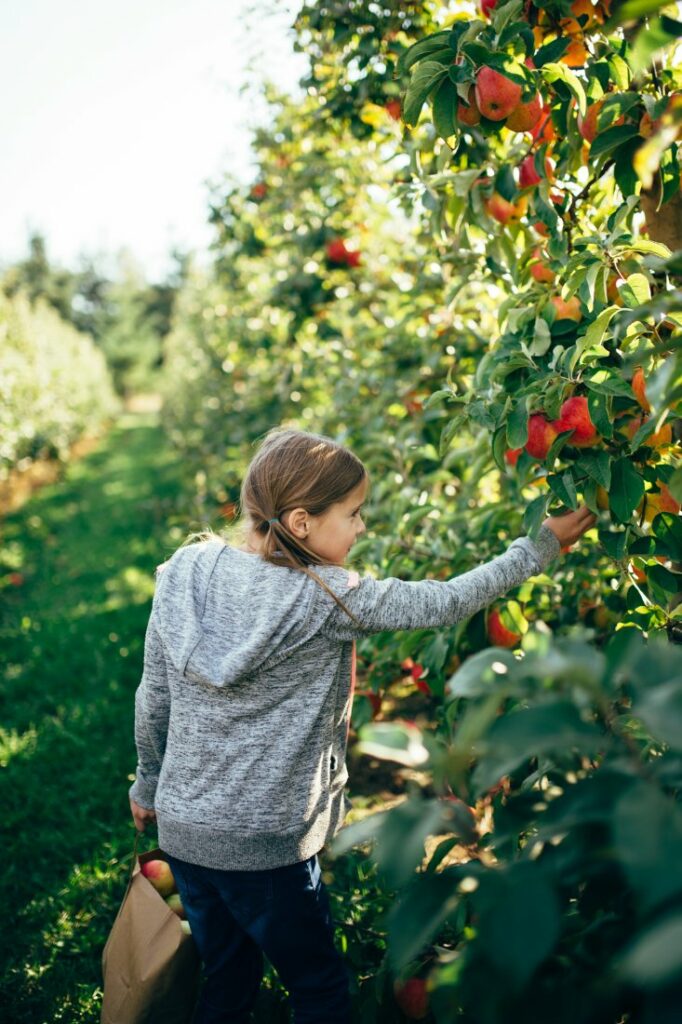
[(243, 711)]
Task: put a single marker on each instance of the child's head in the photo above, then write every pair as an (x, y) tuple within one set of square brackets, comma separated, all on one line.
[(314, 487)]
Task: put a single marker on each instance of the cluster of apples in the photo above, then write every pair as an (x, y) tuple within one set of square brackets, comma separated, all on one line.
[(159, 874), (340, 255), (498, 98), (574, 415)]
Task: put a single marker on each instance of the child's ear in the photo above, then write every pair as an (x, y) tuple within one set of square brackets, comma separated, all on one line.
[(297, 522)]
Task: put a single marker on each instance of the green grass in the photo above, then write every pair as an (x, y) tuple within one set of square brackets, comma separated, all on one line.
[(72, 639)]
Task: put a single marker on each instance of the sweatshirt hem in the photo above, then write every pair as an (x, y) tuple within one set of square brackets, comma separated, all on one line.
[(211, 847)]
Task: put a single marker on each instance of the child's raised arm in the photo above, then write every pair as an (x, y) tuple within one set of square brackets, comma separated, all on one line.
[(402, 604)]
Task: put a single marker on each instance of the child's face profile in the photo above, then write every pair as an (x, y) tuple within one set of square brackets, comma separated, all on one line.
[(332, 535)]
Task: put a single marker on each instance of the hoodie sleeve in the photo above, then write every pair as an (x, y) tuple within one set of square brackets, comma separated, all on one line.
[(152, 708), (398, 604)]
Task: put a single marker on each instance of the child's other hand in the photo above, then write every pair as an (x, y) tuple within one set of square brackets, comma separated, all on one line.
[(141, 815), (571, 525)]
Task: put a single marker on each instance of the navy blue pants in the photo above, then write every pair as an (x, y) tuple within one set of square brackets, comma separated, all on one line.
[(284, 912)]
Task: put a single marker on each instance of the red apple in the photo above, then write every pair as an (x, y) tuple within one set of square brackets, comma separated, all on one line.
[(541, 435), (158, 872), (638, 385), (502, 210), (498, 634), (412, 998), (539, 268), (392, 107), (544, 129), (525, 116), (575, 415), (496, 95), (528, 174), (567, 309), (487, 6), (468, 113), (512, 455)]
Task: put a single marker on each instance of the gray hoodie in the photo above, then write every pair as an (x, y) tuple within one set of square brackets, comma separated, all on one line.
[(243, 710)]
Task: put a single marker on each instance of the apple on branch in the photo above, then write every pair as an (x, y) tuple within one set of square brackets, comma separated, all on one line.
[(496, 95)]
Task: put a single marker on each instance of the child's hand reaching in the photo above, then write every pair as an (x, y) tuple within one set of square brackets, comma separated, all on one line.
[(569, 526)]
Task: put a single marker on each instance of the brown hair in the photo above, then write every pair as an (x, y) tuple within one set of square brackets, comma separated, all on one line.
[(294, 469)]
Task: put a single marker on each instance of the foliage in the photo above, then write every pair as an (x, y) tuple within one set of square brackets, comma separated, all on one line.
[(127, 316), (568, 909), (505, 274), (54, 384)]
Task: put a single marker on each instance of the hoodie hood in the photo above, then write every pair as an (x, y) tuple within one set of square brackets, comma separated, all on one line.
[(223, 613)]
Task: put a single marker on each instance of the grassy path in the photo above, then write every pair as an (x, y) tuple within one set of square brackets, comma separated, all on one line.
[(71, 637)]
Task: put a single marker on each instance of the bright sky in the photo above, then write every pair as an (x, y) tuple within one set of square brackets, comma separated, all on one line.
[(115, 116)]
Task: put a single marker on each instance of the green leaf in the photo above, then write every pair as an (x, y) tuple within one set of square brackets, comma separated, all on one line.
[(503, 13), (531, 732), (400, 843), (597, 329), (655, 957), (559, 72), (647, 832), (614, 106), (444, 106), (422, 48), (632, 10), (651, 38), (449, 431), (542, 338), (667, 528), (564, 487), (623, 168), (393, 741), (599, 407), (620, 72), (669, 581), (627, 489), (499, 447), (609, 385), (612, 138), (597, 465), (424, 80), (437, 397), (635, 291), (418, 916), (534, 514), (551, 51), (516, 900), (675, 484), (482, 673), (614, 544), (517, 424)]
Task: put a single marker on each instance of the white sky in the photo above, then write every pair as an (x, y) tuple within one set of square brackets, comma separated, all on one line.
[(114, 116)]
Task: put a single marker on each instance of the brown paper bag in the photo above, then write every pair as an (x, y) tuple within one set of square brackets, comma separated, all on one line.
[(150, 966)]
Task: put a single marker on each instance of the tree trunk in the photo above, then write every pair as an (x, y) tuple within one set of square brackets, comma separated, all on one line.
[(664, 225)]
